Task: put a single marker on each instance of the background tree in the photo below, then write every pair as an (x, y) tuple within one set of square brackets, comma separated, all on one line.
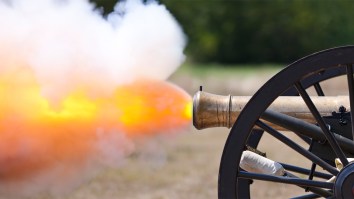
[(257, 31)]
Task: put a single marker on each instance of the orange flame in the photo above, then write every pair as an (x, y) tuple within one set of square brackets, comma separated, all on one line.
[(150, 107), (35, 136)]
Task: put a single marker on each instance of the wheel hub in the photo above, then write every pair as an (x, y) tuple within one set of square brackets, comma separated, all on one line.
[(344, 184)]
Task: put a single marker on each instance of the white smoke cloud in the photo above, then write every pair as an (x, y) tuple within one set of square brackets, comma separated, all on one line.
[(69, 44)]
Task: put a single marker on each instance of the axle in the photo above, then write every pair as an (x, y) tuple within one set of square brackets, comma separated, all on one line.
[(210, 110)]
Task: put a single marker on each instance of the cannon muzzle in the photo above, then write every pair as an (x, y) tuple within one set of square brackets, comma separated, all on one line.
[(210, 110)]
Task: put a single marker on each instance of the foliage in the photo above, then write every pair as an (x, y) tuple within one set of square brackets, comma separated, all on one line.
[(258, 31)]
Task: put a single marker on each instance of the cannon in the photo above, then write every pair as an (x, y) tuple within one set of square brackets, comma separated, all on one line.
[(296, 109)]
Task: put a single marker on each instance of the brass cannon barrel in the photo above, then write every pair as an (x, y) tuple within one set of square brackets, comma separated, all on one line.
[(210, 110)]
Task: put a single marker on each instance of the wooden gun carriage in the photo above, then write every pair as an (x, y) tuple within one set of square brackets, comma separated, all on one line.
[(294, 102)]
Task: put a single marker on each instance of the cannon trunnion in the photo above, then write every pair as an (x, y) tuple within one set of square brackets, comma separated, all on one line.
[(295, 103)]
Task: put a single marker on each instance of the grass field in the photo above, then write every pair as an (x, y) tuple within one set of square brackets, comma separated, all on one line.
[(220, 79), (186, 166)]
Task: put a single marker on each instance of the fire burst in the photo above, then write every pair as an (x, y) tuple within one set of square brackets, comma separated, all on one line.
[(77, 90), (36, 134)]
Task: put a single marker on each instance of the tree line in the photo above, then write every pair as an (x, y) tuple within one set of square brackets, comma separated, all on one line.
[(259, 31)]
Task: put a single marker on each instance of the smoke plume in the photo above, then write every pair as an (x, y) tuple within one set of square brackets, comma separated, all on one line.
[(68, 44), (77, 88)]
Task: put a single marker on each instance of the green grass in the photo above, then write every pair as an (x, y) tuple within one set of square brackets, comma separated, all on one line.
[(202, 70)]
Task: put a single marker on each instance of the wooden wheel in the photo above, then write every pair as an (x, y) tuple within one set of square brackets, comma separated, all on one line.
[(296, 79)]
